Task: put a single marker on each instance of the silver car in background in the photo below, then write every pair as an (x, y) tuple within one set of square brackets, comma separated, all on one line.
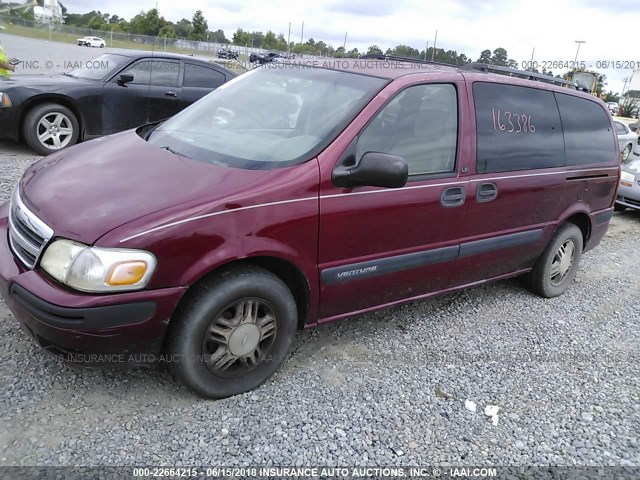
[(627, 139), (629, 190)]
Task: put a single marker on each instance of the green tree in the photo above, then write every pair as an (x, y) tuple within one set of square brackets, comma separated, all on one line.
[(167, 31), (218, 37), (485, 56), (147, 23), (200, 27), (183, 28), (270, 41), (240, 37), (374, 50)]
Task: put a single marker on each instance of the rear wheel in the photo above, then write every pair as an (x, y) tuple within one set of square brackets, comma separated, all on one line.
[(557, 266), (50, 127), (233, 332), (626, 152)]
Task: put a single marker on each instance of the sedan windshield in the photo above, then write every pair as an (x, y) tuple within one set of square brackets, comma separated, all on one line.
[(269, 117), (100, 67)]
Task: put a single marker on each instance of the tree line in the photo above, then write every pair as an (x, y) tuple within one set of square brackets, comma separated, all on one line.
[(151, 23)]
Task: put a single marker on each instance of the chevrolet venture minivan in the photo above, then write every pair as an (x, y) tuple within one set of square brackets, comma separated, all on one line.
[(297, 195)]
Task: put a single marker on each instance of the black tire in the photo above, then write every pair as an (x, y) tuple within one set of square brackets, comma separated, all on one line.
[(626, 152), (619, 208), (212, 299), (30, 126), (540, 279)]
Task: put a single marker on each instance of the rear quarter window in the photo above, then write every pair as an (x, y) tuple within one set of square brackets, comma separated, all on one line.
[(518, 128), (202, 77), (587, 131)]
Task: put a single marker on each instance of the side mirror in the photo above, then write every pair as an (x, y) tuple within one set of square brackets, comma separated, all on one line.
[(373, 170), (125, 78)]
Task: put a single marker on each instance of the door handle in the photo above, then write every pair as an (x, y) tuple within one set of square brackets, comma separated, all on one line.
[(452, 197), (486, 192), (171, 94)]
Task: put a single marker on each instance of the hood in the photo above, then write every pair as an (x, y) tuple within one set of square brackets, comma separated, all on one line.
[(41, 81), (88, 190)]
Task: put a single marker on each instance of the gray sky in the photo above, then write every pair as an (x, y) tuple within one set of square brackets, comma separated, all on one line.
[(611, 28)]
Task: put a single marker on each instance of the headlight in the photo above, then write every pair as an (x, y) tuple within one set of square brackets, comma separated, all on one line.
[(5, 101), (626, 179), (96, 269)]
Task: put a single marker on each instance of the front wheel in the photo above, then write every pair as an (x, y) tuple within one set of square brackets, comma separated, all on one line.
[(50, 127), (233, 332), (557, 266), (626, 152)]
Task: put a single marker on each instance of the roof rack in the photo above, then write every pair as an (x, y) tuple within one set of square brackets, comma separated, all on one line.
[(514, 72), (397, 58)]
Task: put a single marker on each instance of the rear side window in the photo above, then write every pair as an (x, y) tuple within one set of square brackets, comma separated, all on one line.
[(518, 128), (620, 128), (587, 131), (204, 77)]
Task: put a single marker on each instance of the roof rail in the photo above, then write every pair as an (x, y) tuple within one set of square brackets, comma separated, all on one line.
[(398, 58), (514, 72)]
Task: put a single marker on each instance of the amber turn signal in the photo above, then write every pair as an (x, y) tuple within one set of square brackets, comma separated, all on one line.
[(127, 273)]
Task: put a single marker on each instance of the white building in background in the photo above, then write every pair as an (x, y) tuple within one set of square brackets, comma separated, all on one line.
[(51, 12)]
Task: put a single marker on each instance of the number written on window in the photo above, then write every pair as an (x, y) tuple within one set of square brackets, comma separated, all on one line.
[(509, 122)]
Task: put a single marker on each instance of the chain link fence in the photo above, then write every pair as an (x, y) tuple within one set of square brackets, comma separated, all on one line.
[(61, 32)]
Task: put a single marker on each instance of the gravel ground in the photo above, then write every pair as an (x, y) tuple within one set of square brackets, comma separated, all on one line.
[(564, 372)]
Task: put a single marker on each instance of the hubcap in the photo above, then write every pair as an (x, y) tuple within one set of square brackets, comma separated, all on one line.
[(54, 130), (626, 152), (562, 262), (238, 339)]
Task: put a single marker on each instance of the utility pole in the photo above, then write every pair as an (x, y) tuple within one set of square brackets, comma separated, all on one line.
[(289, 41), (425, 51), (302, 33), (344, 45), (433, 53), (624, 87), (532, 53), (579, 42)]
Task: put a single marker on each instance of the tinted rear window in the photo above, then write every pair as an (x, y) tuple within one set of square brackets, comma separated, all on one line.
[(199, 76), (518, 128), (587, 131)]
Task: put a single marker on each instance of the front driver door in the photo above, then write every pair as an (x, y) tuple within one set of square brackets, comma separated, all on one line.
[(379, 246), (153, 95)]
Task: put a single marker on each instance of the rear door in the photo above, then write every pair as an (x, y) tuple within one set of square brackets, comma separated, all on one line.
[(198, 81), (379, 246), (153, 95), (516, 194)]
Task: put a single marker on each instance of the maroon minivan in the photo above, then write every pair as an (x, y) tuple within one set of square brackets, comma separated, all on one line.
[(297, 195)]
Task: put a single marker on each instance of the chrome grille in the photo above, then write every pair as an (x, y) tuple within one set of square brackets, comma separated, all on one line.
[(28, 235)]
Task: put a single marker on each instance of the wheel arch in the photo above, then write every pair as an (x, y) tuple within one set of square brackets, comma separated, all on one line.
[(292, 276), (583, 222), (43, 99)]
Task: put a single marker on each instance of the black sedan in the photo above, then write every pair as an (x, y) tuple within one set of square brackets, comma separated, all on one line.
[(115, 92)]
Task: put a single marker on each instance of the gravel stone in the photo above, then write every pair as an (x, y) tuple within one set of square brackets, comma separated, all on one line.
[(564, 372)]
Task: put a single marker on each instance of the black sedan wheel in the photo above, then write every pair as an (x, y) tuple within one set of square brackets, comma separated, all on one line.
[(50, 127), (232, 333)]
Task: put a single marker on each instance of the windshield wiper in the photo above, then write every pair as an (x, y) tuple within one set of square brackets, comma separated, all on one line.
[(66, 74)]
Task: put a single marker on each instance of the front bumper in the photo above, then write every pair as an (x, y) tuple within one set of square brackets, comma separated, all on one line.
[(85, 328), (629, 196), (9, 123)]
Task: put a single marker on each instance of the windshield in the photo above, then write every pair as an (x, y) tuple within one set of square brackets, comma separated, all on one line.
[(269, 117), (100, 67)]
